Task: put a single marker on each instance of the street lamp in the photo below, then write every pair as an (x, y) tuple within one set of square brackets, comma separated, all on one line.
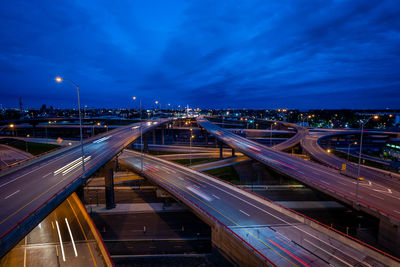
[(141, 132), (98, 124), (59, 80), (270, 136), (26, 142), (360, 152), (190, 150), (12, 127), (348, 149)]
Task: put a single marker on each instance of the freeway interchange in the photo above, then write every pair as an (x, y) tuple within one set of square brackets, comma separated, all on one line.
[(374, 198), (32, 186)]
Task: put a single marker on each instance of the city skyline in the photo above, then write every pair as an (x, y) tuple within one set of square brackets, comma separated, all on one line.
[(304, 55)]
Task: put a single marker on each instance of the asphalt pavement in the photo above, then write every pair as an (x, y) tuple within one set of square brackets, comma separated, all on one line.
[(27, 187), (279, 237), (374, 197)]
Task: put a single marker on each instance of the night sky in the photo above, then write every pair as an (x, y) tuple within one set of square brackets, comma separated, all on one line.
[(208, 54)]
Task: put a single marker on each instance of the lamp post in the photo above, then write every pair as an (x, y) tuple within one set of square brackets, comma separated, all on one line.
[(141, 132), (348, 150), (59, 80), (270, 136), (360, 152), (190, 150), (12, 127), (26, 142), (98, 124)]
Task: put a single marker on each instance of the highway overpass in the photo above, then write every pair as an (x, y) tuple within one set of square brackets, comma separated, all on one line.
[(372, 198), (31, 190), (251, 230), (310, 143)]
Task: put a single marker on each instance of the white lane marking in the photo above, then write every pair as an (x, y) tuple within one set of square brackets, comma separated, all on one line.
[(44, 176), (389, 190), (397, 211), (61, 244), (74, 151), (72, 238), (12, 194), (180, 178), (278, 218), (216, 197), (322, 181), (330, 254), (341, 183), (244, 213), (275, 216), (50, 162), (376, 196)]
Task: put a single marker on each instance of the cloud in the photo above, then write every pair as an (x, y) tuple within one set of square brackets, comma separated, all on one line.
[(204, 53)]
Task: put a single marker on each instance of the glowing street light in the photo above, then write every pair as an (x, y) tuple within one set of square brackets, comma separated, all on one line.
[(59, 80), (375, 117), (348, 149), (190, 150)]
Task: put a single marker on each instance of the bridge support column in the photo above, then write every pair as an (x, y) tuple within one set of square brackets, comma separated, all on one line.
[(233, 152), (206, 137), (109, 186), (154, 137), (80, 193), (389, 234), (221, 151), (162, 135), (145, 144)]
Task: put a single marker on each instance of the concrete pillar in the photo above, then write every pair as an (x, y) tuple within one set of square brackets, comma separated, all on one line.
[(116, 163), (221, 151), (154, 137), (206, 137), (389, 235), (109, 185), (145, 144), (233, 152), (80, 193), (162, 135)]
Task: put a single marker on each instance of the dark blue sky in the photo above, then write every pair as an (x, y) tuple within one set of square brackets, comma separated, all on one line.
[(250, 54)]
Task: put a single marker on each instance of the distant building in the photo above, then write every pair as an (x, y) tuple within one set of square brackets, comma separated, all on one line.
[(392, 149)]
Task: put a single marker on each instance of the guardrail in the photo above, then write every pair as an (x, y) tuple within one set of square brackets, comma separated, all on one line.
[(308, 218), (35, 216), (203, 211), (310, 181), (289, 210)]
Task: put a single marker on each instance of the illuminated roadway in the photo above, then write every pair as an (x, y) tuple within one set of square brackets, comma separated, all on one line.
[(277, 235), (311, 146), (372, 198), (27, 187)]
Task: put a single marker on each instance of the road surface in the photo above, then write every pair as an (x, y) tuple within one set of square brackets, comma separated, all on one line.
[(279, 237), (371, 196), (27, 187)]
